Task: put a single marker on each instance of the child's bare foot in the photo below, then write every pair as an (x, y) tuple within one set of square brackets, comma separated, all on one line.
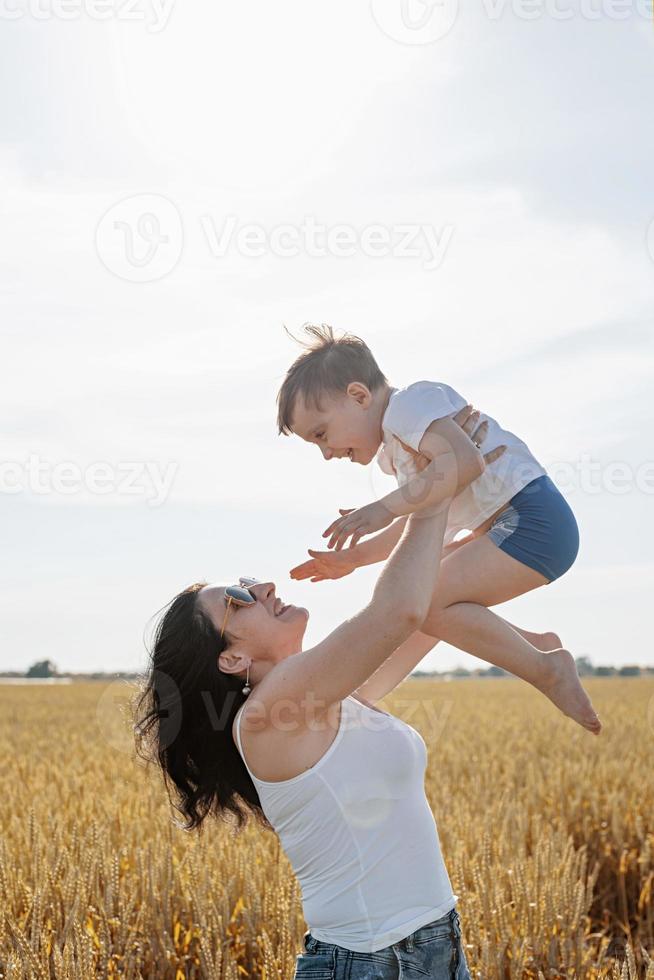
[(563, 687), (547, 642)]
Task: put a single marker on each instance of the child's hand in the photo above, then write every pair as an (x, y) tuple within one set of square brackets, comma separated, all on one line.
[(363, 520), (325, 565)]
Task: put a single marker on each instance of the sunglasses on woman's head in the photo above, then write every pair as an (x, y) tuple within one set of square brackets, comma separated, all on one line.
[(239, 595)]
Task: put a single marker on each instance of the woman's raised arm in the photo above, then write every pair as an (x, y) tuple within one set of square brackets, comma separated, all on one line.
[(338, 665)]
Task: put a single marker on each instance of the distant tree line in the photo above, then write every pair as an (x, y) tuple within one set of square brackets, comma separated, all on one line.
[(46, 668), (584, 668), (42, 668)]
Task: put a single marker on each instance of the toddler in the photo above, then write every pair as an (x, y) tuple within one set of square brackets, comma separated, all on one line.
[(521, 535)]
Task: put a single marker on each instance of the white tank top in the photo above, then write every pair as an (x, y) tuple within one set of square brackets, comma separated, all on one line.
[(359, 833)]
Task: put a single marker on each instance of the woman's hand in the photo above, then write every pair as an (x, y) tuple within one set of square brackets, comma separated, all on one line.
[(467, 417), (325, 565)]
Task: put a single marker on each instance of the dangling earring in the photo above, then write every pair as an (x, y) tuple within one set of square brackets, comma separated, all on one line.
[(247, 688)]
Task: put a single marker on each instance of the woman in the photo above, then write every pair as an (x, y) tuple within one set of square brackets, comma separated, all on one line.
[(341, 782)]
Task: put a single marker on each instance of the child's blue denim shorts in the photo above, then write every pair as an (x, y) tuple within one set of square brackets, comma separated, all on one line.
[(435, 950), (538, 528)]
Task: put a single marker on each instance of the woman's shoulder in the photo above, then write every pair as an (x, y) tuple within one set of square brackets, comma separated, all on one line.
[(279, 748), (265, 709)]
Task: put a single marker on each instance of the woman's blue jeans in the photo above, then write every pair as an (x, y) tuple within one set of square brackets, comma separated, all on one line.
[(435, 950)]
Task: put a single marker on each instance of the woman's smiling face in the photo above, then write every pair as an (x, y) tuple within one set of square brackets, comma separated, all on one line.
[(267, 629)]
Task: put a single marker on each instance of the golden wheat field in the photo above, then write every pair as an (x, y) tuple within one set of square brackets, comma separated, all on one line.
[(547, 832)]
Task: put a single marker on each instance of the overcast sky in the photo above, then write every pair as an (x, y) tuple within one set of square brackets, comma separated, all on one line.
[(470, 191)]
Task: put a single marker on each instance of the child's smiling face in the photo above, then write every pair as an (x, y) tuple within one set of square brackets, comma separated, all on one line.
[(346, 425)]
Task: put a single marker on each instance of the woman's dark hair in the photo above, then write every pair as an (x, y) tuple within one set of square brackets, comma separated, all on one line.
[(183, 714)]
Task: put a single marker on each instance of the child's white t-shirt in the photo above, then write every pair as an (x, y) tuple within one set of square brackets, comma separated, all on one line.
[(409, 413)]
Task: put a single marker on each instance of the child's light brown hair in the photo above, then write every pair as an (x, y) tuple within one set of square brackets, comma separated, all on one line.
[(328, 364)]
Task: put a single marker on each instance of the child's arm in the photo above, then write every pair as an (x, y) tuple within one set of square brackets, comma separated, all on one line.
[(450, 461), (329, 565), (379, 547)]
